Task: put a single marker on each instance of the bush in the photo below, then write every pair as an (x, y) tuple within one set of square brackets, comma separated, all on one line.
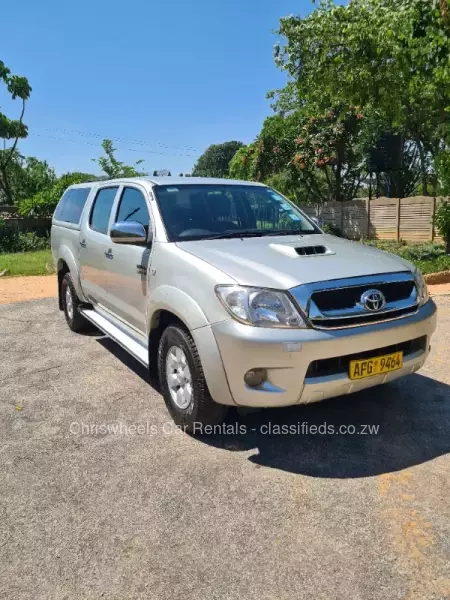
[(331, 229), (15, 241), (442, 221), (410, 251), (430, 257)]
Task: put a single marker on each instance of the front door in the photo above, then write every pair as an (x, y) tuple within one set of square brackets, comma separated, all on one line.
[(94, 245), (129, 267)]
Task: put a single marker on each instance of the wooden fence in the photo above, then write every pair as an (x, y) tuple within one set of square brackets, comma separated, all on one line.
[(409, 219)]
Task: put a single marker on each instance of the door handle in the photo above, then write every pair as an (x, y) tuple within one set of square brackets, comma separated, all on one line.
[(141, 269), (109, 254), (82, 243)]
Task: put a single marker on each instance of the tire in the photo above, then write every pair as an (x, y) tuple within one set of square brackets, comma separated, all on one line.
[(193, 407), (74, 319)]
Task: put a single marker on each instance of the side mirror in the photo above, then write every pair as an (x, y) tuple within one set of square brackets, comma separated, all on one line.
[(132, 232), (315, 220)]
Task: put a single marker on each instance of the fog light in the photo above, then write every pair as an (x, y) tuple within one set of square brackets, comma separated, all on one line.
[(255, 377)]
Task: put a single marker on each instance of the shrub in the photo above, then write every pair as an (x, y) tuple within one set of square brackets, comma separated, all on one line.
[(331, 229), (14, 241), (442, 221)]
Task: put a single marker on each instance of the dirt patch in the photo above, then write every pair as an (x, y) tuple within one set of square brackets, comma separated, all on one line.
[(442, 288), (19, 289), (437, 278)]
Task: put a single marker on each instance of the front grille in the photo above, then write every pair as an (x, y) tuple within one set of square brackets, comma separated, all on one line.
[(340, 303), (365, 318), (347, 297), (340, 364)]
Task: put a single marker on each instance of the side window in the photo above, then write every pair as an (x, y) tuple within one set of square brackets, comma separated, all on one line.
[(101, 210), (133, 207), (71, 205)]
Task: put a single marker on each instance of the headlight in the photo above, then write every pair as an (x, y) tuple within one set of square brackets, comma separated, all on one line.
[(259, 307), (422, 290)]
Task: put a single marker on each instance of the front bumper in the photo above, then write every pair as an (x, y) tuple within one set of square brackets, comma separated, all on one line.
[(286, 354)]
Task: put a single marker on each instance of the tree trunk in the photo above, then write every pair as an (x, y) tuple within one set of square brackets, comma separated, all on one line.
[(4, 186), (339, 182), (423, 167)]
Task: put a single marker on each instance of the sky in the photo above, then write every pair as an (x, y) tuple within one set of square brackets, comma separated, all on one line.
[(174, 76)]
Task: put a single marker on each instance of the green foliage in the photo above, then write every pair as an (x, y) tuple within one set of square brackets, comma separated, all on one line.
[(14, 241), (26, 177), (312, 158), (442, 221), (215, 161), (114, 168), (430, 257), (390, 58), (331, 229), (387, 54), (442, 165), (44, 202), (11, 129), (410, 251)]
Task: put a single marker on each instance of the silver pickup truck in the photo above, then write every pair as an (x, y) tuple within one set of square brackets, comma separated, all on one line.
[(232, 296)]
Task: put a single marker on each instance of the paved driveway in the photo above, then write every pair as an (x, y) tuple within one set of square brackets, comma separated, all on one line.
[(86, 512)]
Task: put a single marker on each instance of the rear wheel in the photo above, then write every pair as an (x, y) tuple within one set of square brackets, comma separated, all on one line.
[(183, 383), (71, 306)]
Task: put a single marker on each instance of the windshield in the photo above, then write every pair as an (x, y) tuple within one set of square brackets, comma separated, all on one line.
[(197, 212)]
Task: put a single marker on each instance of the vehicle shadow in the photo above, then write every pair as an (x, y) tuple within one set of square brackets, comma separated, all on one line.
[(411, 417), (130, 362), (410, 421)]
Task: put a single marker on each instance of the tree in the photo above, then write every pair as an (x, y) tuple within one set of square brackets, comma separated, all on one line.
[(115, 168), (26, 177), (44, 202), (442, 166), (314, 158), (442, 222), (215, 161), (389, 58), (11, 130)]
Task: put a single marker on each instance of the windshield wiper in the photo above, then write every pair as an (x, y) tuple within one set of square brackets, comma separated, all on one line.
[(290, 232), (234, 233)]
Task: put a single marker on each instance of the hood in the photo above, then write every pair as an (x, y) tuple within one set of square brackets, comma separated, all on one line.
[(279, 261)]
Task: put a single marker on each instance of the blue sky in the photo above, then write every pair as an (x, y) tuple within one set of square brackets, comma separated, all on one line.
[(177, 75)]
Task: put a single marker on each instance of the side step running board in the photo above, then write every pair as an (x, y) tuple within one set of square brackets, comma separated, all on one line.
[(131, 345)]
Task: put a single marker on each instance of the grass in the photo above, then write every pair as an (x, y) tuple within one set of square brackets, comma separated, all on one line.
[(26, 263)]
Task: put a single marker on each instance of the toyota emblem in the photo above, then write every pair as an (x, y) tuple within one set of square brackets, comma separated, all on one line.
[(373, 300)]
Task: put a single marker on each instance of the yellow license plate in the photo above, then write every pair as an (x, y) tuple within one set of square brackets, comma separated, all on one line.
[(358, 369)]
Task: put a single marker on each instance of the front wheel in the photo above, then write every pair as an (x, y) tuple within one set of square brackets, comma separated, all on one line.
[(183, 383)]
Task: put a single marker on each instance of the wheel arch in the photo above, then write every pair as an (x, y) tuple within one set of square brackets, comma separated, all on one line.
[(185, 312), (66, 263)]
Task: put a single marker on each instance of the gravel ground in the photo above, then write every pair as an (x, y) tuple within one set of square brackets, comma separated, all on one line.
[(89, 514)]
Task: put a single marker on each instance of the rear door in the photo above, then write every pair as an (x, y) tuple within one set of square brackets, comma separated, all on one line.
[(95, 246), (128, 268)]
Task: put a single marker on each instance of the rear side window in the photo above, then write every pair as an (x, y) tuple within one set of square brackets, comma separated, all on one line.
[(101, 211), (71, 205)]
